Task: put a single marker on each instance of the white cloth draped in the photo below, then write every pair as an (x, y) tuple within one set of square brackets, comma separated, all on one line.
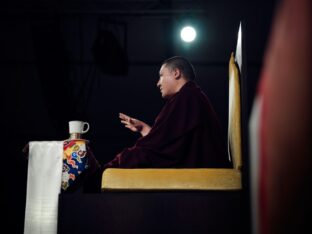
[(43, 186)]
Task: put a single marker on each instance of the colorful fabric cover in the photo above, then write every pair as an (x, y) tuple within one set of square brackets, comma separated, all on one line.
[(74, 161)]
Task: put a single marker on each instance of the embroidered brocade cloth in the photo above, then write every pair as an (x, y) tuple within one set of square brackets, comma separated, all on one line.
[(75, 161)]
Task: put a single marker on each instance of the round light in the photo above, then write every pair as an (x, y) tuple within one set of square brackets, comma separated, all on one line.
[(188, 34)]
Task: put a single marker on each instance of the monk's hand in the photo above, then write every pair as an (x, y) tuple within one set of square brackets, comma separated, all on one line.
[(134, 125)]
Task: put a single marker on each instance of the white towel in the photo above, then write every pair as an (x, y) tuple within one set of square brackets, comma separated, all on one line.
[(43, 186)]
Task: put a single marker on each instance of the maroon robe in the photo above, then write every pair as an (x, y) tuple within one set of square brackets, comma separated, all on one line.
[(185, 134)]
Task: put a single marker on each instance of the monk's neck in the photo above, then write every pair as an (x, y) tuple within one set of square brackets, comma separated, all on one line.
[(181, 83)]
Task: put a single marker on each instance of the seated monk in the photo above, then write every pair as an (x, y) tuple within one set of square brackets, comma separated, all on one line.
[(185, 134)]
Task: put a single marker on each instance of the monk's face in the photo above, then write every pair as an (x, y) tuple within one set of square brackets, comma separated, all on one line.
[(167, 82)]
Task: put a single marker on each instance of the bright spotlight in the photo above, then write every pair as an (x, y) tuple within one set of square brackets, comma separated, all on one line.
[(188, 34)]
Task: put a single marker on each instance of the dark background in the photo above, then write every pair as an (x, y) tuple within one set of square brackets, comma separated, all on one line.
[(53, 70)]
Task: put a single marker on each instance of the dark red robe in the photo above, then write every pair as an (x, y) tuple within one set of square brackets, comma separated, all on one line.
[(185, 134)]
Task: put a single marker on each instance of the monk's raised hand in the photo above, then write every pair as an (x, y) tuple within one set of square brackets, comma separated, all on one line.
[(134, 125), (131, 123)]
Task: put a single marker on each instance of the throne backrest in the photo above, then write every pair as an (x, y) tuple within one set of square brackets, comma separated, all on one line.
[(234, 118)]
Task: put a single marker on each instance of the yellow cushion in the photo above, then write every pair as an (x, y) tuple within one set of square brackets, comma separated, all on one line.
[(171, 179)]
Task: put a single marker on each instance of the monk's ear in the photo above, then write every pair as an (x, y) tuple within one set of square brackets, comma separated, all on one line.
[(177, 73)]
